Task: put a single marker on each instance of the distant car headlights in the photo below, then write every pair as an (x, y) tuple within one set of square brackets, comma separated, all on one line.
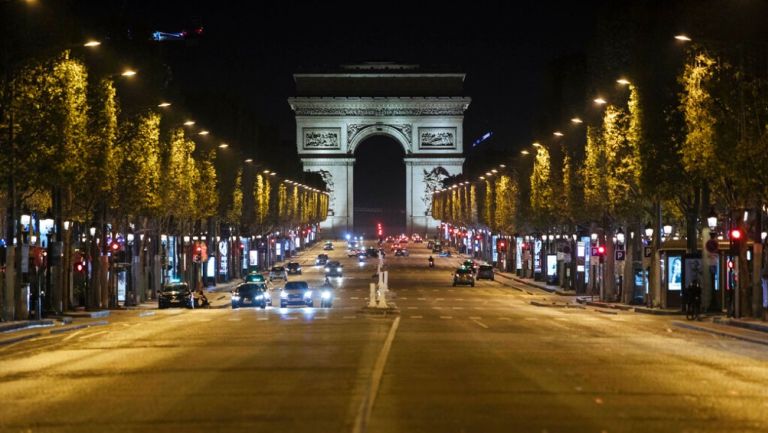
[(283, 294), (260, 297), (308, 294), (338, 269), (235, 297), (325, 295), (327, 269)]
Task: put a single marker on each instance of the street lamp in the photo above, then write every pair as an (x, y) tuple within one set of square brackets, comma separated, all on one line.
[(712, 219), (593, 236), (667, 229), (620, 236), (92, 43), (648, 230), (92, 231), (128, 73)]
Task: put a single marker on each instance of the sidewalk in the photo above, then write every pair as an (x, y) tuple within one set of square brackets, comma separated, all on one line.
[(537, 284), (740, 329)]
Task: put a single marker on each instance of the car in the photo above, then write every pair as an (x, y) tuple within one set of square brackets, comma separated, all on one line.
[(418, 240), (463, 276), (255, 277), (352, 253), (278, 273), (321, 259), (372, 252), (401, 252), (296, 293), (328, 246), (333, 269), (294, 268), (444, 254), (485, 272), (175, 294), (251, 295)]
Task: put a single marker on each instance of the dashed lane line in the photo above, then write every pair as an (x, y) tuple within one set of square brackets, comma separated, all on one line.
[(481, 324), (475, 318), (413, 308), (350, 317), (446, 317), (417, 317)]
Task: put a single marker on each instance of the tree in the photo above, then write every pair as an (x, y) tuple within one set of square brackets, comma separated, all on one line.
[(542, 193), (506, 204), (235, 211), (206, 187)]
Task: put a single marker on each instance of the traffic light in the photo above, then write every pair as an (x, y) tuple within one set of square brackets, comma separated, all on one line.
[(114, 247), (79, 267), (502, 246), (198, 253), (735, 237), (601, 250)]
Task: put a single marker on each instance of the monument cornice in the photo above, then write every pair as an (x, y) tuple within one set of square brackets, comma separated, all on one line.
[(324, 161), (432, 160), (379, 106)]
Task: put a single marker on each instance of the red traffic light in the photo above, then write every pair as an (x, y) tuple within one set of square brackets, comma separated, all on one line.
[(735, 234), (730, 264), (199, 249), (601, 250), (79, 267), (114, 246)]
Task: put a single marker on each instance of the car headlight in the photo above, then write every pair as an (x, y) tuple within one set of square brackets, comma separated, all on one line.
[(260, 297), (326, 294), (283, 294), (457, 275), (235, 297), (308, 294), (338, 269), (299, 268), (327, 269)]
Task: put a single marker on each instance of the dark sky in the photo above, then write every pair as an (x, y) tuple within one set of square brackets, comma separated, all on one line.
[(250, 50)]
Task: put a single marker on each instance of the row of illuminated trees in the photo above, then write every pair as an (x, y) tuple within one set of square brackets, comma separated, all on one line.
[(68, 151), (708, 157)]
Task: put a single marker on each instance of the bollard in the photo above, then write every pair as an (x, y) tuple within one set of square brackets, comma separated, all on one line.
[(372, 296)]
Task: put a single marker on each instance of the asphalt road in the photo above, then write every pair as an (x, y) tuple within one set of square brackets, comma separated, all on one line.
[(460, 359)]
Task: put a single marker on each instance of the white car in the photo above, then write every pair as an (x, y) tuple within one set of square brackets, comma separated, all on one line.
[(278, 273)]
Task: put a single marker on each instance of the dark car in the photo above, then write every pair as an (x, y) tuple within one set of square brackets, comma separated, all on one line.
[(485, 272), (401, 252), (294, 268), (321, 259), (328, 246), (372, 252), (296, 293), (175, 294), (463, 276), (251, 295), (333, 269)]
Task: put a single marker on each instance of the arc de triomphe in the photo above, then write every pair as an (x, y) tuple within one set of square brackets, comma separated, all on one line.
[(422, 111)]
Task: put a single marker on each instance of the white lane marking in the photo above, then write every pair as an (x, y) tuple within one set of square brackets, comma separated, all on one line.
[(234, 319), (403, 298), (366, 406), (504, 318), (321, 317), (458, 308), (413, 308), (483, 325), (531, 318), (437, 308), (439, 299), (350, 317), (446, 317), (354, 297), (478, 308), (263, 318), (459, 299), (288, 318), (422, 299), (434, 290), (72, 335), (92, 335), (562, 319), (416, 317), (475, 318)]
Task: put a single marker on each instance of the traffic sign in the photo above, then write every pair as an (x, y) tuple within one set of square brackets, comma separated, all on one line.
[(620, 255), (593, 252), (647, 251)]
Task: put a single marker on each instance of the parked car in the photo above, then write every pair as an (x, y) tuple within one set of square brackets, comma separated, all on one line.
[(278, 273), (175, 294), (485, 272), (333, 269), (294, 268), (251, 295), (463, 276), (321, 259), (296, 293)]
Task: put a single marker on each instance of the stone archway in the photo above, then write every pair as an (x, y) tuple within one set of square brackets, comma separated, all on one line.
[(379, 185), (422, 111)]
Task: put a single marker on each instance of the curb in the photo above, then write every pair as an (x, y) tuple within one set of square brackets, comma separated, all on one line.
[(86, 314), (721, 333), (76, 327), (739, 324), (551, 305), (19, 338), (12, 327)]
